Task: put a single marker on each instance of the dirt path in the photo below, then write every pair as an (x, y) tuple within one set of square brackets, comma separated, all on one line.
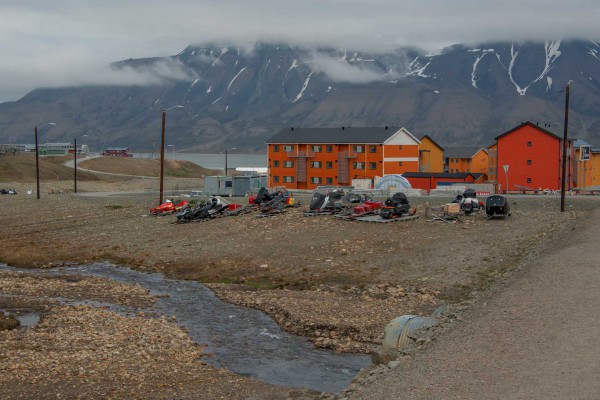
[(534, 339)]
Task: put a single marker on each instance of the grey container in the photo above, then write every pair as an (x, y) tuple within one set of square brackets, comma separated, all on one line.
[(219, 185), (244, 184)]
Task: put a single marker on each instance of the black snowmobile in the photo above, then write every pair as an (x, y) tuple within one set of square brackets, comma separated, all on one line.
[(329, 203), (395, 206), (204, 210)]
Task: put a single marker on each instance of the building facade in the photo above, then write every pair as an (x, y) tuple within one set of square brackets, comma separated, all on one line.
[(466, 160), (529, 157), (117, 152), (431, 155), (305, 158)]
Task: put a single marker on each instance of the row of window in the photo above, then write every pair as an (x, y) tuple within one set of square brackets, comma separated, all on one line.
[(328, 164), (328, 148), (313, 179)]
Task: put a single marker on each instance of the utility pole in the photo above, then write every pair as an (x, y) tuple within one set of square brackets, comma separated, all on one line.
[(75, 165), (162, 156), (225, 162), (564, 153), (37, 164)]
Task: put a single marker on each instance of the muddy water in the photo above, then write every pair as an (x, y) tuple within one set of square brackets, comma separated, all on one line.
[(246, 341)]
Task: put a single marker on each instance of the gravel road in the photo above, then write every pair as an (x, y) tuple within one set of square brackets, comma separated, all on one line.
[(535, 337)]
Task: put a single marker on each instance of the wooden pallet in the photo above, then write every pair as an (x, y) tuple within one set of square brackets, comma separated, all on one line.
[(378, 219)]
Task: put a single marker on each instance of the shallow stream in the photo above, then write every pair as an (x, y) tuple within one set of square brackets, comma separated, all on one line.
[(246, 341)]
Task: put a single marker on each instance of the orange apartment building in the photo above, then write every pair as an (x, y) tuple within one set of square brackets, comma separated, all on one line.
[(431, 156), (304, 158), (529, 157), (466, 159)]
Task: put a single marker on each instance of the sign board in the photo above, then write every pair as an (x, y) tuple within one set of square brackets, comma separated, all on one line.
[(584, 153), (505, 166)]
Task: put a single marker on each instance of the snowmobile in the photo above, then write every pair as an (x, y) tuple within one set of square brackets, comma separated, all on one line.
[(469, 202), (395, 207), (8, 191), (326, 204), (168, 207), (497, 206), (203, 210)]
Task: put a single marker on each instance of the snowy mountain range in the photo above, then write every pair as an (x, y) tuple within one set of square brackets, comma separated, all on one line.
[(232, 97)]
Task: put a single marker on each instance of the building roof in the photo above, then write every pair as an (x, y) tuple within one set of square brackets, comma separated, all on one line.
[(432, 141), (529, 123), (456, 175), (461, 152), (344, 135), (117, 149)]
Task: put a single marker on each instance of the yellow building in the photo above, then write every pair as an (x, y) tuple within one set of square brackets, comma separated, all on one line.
[(586, 171), (431, 156)]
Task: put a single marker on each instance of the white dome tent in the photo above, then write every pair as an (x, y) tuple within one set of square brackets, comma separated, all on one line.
[(393, 181)]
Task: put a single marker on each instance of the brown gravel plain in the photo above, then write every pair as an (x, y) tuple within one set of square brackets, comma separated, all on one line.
[(334, 281)]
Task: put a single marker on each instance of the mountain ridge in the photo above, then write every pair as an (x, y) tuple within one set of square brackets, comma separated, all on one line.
[(235, 97)]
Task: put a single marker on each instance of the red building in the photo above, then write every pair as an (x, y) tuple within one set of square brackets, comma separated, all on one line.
[(529, 157), (431, 180), (117, 152)]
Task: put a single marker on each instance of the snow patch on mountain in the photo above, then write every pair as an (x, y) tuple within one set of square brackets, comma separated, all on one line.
[(304, 86), (477, 60), (235, 77)]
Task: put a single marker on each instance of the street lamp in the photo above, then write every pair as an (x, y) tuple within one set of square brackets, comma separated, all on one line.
[(233, 148), (173, 146), (162, 151), (37, 157)]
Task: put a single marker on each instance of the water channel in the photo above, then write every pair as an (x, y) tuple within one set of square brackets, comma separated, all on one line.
[(246, 341)]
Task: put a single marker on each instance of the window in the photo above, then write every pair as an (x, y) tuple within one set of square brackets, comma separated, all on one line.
[(316, 164), (276, 179), (529, 144), (329, 181), (317, 149), (288, 147), (528, 180), (316, 179), (358, 165), (528, 162), (400, 147), (288, 179), (276, 164), (372, 165), (275, 148), (358, 149), (400, 164), (228, 184), (329, 148), (329, 164), (288, 164), (372, 149)]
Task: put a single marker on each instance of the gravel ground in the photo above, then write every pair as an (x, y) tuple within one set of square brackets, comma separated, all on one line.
[(532, 337), (334, 281)]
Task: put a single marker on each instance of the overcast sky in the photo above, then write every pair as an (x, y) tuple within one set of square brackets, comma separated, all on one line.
[(70, 42)]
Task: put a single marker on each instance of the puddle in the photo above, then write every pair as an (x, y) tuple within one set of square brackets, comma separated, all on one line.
[(246, 341)]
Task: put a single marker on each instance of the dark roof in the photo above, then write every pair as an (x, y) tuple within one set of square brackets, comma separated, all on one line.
[(418, 174), (334, 135), (432, 141), (477, 175), (461, 152), (528, 123), (457, 175)]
